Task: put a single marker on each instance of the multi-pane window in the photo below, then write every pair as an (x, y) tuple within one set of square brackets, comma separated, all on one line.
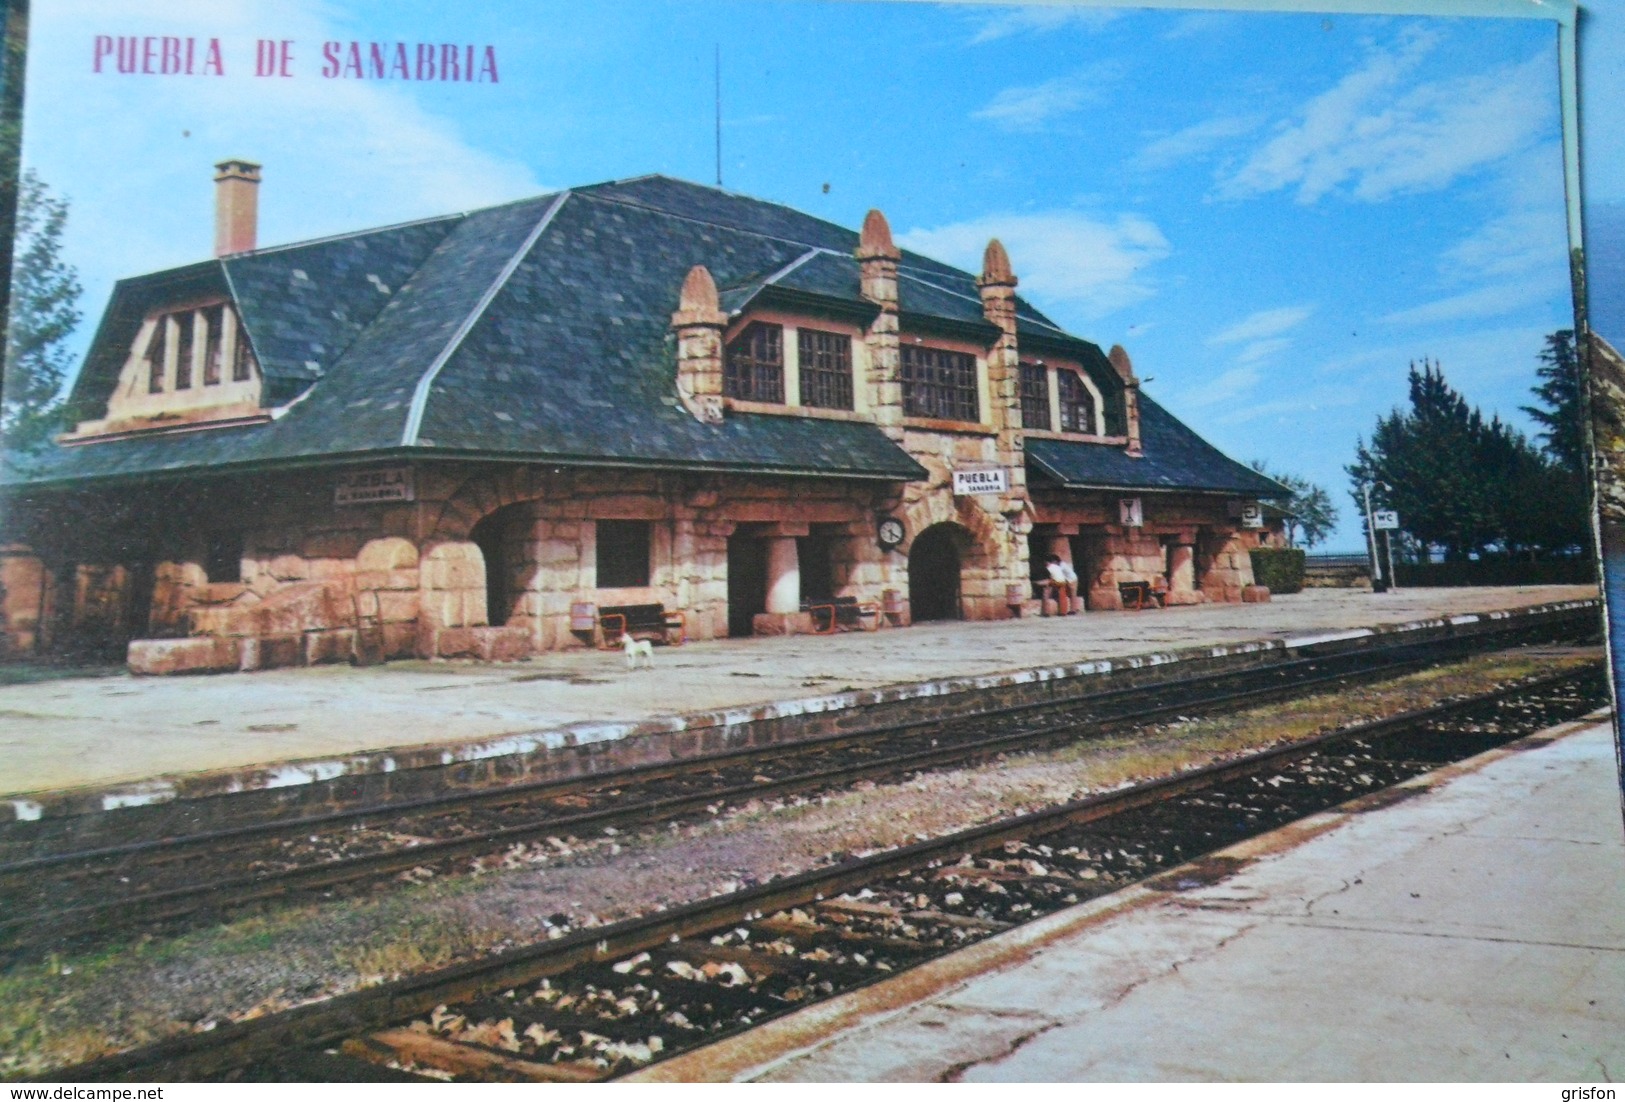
[(939, 384), (1077, 404), (753, 368), (214, 319), (623, 553), (826, 369), (241, 360), (1034, 396), (183, 352), (157, 348)]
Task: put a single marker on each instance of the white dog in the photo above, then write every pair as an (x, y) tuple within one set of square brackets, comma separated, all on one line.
[(636, 647)]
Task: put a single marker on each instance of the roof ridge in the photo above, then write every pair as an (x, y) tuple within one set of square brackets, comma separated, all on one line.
[(628, 202), (330, 238), (420, 395)]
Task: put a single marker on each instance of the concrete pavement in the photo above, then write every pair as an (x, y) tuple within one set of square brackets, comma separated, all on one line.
[(1474, 932), (73, 733)]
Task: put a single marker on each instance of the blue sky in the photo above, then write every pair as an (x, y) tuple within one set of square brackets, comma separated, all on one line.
[(1273, 213)]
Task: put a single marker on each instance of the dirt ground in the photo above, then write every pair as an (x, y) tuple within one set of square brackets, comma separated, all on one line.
[(74, 1006)]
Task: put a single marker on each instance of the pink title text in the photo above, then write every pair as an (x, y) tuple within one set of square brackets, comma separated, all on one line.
[(170, 55)]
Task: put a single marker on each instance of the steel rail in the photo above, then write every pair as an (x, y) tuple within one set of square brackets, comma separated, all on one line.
[(241, 1044), (239, 891)]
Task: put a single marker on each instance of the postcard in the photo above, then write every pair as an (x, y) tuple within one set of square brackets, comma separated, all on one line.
[(404, 401)]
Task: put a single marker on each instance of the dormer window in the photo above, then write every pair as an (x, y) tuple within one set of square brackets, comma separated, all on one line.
[(754, 367), (158, 356), (1034, 396), (939, 384), (186, 329), (1078, 409), (176, 376), (826, 368)]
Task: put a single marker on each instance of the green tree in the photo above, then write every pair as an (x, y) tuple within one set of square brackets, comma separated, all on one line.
[(1462, 484), (44, 313), (1309, 508), (1561, 412)]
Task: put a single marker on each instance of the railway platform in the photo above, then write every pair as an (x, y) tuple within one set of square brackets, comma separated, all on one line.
[(1467, 929), (116, 741)]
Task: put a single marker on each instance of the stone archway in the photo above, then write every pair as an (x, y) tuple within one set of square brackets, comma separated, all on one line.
[(500, 537), (935, 566)]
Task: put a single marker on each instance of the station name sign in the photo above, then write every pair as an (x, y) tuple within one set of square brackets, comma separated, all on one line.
[(981, 482), (376, 485)]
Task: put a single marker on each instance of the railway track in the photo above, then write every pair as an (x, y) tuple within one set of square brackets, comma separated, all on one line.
[(65, 899), (603, 1002)]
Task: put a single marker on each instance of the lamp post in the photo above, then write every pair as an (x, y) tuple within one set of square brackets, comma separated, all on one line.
[(1379, 584)]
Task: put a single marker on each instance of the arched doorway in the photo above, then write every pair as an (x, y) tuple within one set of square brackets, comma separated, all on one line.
[(499, 536), (933, 573)]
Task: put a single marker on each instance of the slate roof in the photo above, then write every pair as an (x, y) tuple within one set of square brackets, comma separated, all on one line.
[(538, 330), (1175, 459)]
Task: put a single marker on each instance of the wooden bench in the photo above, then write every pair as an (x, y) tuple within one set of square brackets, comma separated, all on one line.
[(836, 613), (641, 622), (1138, 595)]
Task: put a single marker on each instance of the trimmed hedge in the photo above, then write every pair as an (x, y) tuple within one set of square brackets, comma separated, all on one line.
[(1280, 568)]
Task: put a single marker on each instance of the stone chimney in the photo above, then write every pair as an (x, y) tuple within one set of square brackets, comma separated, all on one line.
[(877, 281), (236, 206), (698, 323), (1131, 397)]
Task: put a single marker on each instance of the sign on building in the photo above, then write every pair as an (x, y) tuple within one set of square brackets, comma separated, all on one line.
[(1130, 514), (980, 482), (1252, 514), (378, 484), (1384, 520)]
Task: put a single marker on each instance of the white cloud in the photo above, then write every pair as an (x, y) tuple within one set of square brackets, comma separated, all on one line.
[(1484, 302), (1223, 389), (1066, 260), (1030, 106), (1260, 351), (1196, 140), (1263, 323), (1041, 19), (1379, 132)]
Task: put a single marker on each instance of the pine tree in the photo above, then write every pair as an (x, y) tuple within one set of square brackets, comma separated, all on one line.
[(1561, 412), (44, 294), (1465, 485)]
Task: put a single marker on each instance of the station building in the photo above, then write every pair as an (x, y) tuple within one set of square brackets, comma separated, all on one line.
[(470, 435)]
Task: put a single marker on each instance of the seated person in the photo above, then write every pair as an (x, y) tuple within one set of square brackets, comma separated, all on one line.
[(1063, 583)]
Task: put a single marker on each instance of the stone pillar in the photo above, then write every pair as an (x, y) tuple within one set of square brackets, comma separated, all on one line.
[(1062, 547), (877, 277), (783, 576), (23, 581), (698, 323), (451, 599), (997, 285), (1182, 574), (1131, 397)]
